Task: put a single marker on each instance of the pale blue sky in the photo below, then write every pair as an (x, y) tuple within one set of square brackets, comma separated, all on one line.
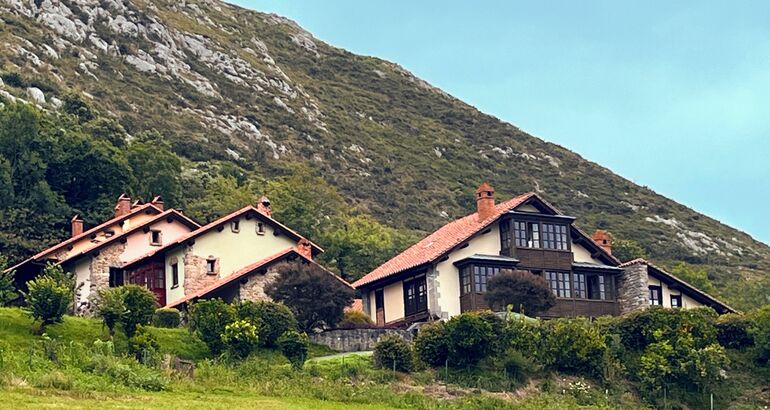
[(672, 95)]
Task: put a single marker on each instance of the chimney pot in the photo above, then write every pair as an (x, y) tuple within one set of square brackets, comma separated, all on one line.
[(77, 225), (304, 248), (123, 206), (604, 240), (485, 201), (263, 206)]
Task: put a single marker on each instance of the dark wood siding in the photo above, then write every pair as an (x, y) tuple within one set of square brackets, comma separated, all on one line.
[(540, 259)]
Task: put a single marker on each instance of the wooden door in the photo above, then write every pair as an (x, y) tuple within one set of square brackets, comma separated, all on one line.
[(153, 277), (379, 306)]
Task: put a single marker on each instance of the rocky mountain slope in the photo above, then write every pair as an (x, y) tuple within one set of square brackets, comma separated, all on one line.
[(256, 89)]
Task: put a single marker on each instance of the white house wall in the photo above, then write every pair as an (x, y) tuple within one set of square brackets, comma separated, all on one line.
[(687, 302)]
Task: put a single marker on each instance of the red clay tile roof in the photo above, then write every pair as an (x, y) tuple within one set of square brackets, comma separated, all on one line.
[(641, 261), (249, 269), (212, 225), (440, 242), (356, 306), (117, 219)]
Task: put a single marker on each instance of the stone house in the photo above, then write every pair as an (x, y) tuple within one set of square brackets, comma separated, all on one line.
[(445, 273), (95, 254)]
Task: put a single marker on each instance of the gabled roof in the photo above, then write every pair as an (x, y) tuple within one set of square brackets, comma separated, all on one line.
[(116, 220), (248, 269), (219, 222), (440, 242), (694, 292)]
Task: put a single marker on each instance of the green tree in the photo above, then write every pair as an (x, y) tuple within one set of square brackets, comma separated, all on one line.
[(222, 195), (111, 307), (470, 339), (628, 249), (7, 289), (294, 346), (155, 169), (525, 292), (694, 275), (50, 295), (208, 319), (140, 306)]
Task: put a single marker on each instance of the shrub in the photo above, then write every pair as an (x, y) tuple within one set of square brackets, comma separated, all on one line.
[(573, 345), (525, 336), (240, 338), (7, 290), (271, 319), (432, 344), (760, 330), (49, 296), (470, 339), (56, 380), (355, 319), (524, 291), (140, 305), (110, 307), (14, 79), (75, 105), (638, 329), (517, 366), (143, 344), (167, 317), (208, 319), (393, 352), (733, 331), (316, 297), (294, 346)]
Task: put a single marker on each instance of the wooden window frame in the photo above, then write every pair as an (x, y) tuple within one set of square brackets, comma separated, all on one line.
[(659, 299), (563, 288), (415, 296), (114, 274), (260, 228), (153, 233), (174, 275), (213, 263), (677, 298), (505, 237), (235, 226)]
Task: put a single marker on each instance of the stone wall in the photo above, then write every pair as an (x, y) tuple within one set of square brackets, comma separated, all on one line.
[(355, 340), (99, 277), (633, 292), (254, 288), (196, 276)]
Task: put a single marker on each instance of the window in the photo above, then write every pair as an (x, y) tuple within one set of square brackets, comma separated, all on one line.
[(481, 275), (117, 277), (527, 234), (559, 283), (415, 296), (235, 226), (466, 280), (579, 283), (260, 228), (155, 238), (656, 296), (555, 236), (598, 287), (505, 238), (676, 301), (211, 266), (174, 275)]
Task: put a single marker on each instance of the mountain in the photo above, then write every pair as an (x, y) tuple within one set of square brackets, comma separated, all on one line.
[(230, 84)]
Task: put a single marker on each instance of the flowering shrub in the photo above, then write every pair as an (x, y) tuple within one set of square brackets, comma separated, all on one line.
[(240, 338)]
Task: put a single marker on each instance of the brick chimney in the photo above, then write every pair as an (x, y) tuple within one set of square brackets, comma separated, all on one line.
[(604, 240), (77, 225), (158, 202), (264, 206), (304, 248), (123, 206), (485, 201)]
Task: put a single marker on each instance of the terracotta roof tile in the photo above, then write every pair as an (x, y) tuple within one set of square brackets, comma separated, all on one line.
[(439, 242)]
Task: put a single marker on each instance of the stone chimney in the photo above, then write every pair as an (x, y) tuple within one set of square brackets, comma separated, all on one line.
[(264, 206), (123, 206), (604, 240), (77, 225), (304, 248), (485, 201), (158, 202)]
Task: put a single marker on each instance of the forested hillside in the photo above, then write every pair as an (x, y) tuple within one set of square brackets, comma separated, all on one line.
[(209, 105)]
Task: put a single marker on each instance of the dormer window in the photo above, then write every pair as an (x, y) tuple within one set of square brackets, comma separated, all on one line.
[(546, 235), (235, 226), (156, 239), (527, 234), (260, 228)]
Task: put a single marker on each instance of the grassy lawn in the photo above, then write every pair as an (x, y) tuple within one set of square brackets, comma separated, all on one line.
[(37, 398)]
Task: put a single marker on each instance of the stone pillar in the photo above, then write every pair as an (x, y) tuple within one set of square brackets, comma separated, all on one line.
[(434, 294), (633, 290)]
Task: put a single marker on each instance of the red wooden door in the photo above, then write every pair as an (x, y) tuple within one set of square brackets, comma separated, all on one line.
[(153, 277)]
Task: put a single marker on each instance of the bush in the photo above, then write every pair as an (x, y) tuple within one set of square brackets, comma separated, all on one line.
[(524, 291), (14, 79), (271, 319), (110, 307), (7, 290), (74, 104), (208, 319), (393, 352), (760, 330), (573, 345), (49, 296), (432, 344), (733, 331), (143, 344), (525, 335), (167, 317), (140, 306), (517, 366), (240, 338), (470, 339), (638, 329), (294, 346), (316, 297), (355, 319)]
